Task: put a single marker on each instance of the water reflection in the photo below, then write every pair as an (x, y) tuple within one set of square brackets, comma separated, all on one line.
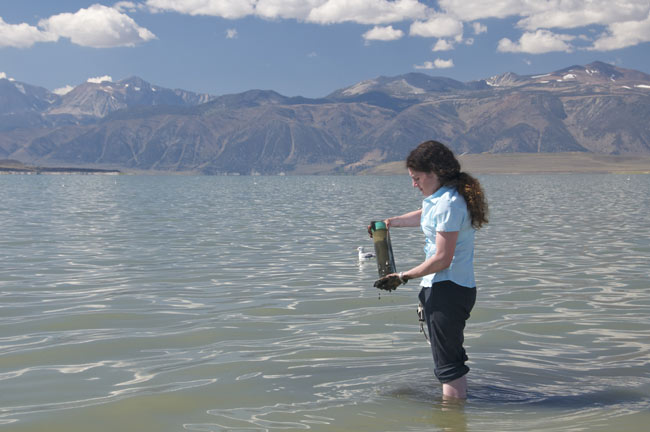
[(452, 416)]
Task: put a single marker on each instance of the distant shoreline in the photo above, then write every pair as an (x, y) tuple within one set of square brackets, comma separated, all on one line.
[(15, 167), (484, 163), (537, 163)]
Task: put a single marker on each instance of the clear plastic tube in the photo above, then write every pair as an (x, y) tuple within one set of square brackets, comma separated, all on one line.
[(383, 248)]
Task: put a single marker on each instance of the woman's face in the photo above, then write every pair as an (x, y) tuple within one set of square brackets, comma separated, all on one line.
[(428, 183)]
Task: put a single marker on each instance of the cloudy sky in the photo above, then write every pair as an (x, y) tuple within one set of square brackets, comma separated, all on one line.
[(311, 47)]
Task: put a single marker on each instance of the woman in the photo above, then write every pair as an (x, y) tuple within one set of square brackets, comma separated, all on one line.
[(454, 208)]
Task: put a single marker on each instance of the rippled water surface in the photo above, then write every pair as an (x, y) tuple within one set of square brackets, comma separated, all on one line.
[(238, 304)]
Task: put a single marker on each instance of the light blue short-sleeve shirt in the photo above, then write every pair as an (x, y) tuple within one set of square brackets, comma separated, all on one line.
[(446, 211)]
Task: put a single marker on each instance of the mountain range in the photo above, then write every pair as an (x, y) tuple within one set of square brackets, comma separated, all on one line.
[(134, 125)]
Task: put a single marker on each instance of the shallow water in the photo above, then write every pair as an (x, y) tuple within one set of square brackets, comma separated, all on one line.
[(238, 304)]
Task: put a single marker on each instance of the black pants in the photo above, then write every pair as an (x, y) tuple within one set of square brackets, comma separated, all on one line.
[(446, 309)]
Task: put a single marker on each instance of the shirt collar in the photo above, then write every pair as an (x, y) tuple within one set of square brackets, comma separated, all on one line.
[(437, 194)]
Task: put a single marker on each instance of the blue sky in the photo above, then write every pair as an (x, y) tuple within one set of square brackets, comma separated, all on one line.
[(311, 47)]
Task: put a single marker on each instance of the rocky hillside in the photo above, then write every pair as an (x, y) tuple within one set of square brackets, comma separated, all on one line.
[(596, 108)]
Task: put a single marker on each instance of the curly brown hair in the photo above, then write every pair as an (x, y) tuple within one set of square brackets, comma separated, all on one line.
[(435, 157)]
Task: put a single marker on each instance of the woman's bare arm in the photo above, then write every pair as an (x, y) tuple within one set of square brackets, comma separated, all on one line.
[(411, 219), (445, 248)]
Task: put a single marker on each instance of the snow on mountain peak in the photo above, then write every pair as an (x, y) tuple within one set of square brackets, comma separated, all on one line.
[(359, 88)]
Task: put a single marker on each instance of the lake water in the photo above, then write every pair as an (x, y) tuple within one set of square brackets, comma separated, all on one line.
[(144, 303)]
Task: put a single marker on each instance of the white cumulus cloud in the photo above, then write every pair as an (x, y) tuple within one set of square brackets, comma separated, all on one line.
[(383, 33), (63, 90), (539, 42), (439, 26), (472, 10), (287, 9), (99, 80), (425, 65), (479, 28), (539, 23), (98, 27), (443, 45), (443, 64), (624, 34), (625, 20), (22, 35), (548, 14), (3, 75), (372, 12), (436, 64), (366, 11), (128, 6), (231, 9), (235, 9), (573, 14)]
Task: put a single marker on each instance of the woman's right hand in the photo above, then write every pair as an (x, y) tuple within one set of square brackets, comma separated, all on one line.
[(389, 282), (386, 221)]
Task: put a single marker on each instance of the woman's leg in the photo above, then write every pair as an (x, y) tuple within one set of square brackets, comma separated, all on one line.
[(447, 306), (455, 389)]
